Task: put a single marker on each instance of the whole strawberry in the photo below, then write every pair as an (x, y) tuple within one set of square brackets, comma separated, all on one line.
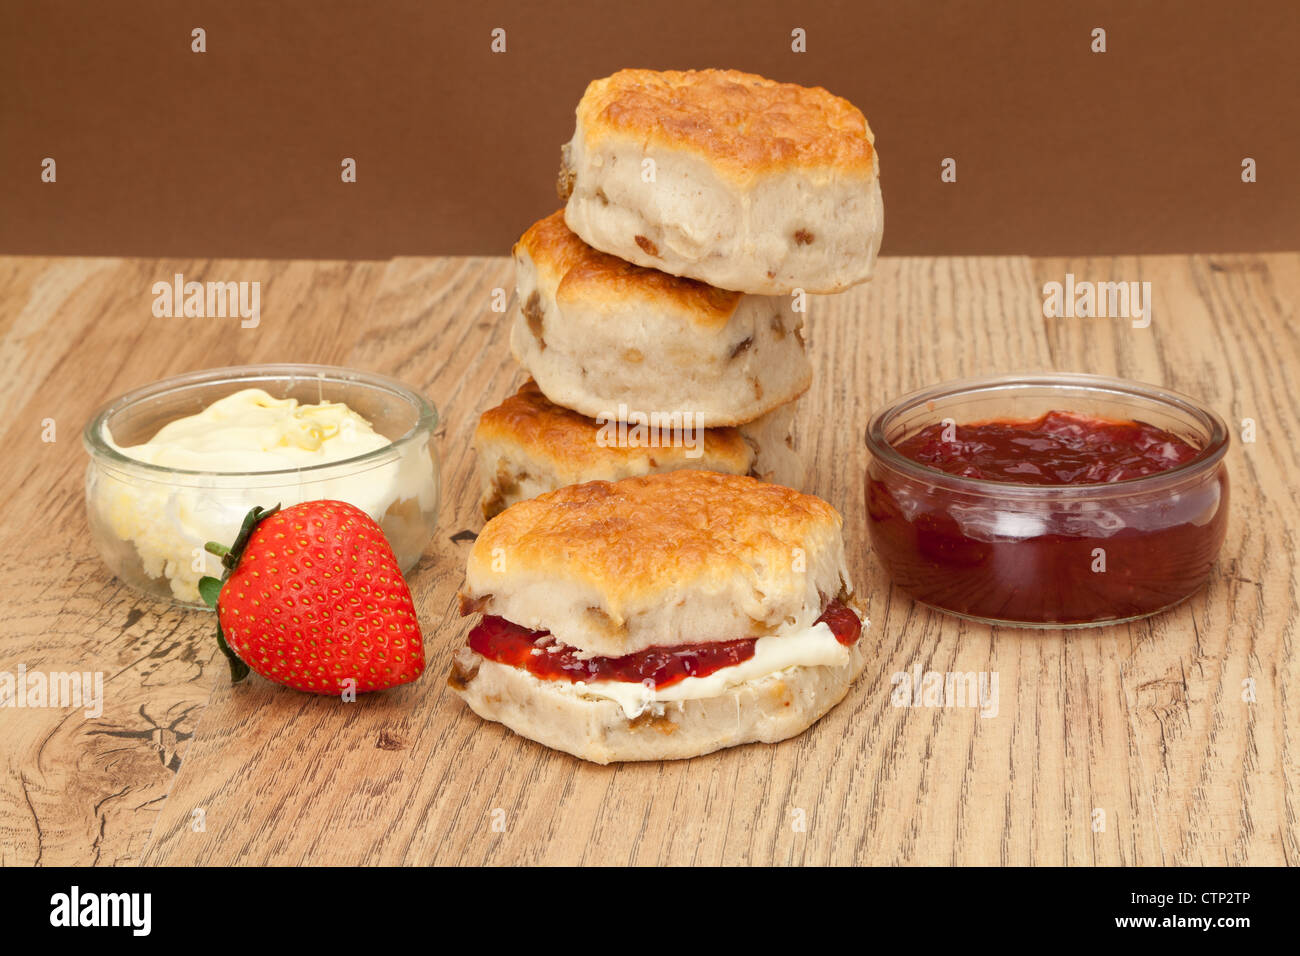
[(313, 599)]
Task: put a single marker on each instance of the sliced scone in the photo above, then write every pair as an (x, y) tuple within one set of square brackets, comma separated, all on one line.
[(659, 617)]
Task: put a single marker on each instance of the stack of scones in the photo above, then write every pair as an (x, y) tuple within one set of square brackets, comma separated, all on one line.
[(661, 310)]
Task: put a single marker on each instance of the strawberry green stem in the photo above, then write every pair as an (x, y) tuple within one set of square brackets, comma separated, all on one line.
[(230, 556)]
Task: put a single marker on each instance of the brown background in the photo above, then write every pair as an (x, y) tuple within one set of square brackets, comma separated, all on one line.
[(236, 152)]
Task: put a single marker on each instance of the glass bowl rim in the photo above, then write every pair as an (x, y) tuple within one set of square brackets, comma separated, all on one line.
[(1211, 454), (101, 452)]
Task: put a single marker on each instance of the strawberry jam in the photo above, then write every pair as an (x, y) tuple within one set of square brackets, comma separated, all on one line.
[(1091, 526), (542, 656), (843, 622), (1059, 448)]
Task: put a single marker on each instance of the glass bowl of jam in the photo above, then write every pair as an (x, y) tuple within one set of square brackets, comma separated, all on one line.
[(1053, 500)]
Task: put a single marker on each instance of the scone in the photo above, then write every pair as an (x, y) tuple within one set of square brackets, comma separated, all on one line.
[(772, 438), (659, 617), (597, 333), (528, 446), (726, 177)]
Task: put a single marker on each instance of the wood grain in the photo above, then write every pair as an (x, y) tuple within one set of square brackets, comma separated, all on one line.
[(78, 790), (1144, 722), (1224, 771)]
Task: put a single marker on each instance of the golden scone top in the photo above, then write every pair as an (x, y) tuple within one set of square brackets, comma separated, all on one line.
[(654, 535), (740, 122), (550, 431), (586, 275)]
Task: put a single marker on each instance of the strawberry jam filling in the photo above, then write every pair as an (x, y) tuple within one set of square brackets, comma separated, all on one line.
[(542, 656)]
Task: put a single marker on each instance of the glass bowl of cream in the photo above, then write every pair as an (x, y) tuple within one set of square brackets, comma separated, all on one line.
[(179, 463)]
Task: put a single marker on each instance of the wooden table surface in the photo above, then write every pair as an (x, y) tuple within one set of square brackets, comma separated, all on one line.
[(1147, 723)]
